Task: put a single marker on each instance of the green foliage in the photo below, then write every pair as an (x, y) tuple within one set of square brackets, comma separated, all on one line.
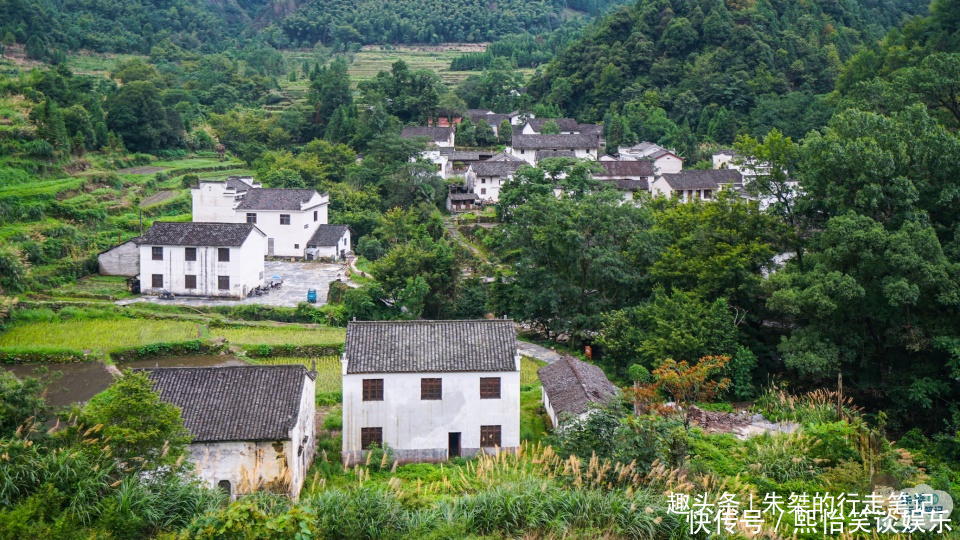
[(140, 426), (20, 400)]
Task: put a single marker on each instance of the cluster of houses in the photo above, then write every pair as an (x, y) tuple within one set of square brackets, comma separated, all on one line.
[(427, 390), (644, 167), (236, 224)]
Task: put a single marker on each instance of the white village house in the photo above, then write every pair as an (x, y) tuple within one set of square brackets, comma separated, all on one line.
[(252, 427), (692, 185), (201, 259), (329, 242), (442, 137), (582, 146), (430, 390), (289, 217), (570, 386), (485, 178)]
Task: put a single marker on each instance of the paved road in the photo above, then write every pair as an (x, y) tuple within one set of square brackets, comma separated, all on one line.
[(536, 351), (297, 278)]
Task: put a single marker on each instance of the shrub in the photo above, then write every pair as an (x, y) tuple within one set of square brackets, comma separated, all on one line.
[(334, 420)]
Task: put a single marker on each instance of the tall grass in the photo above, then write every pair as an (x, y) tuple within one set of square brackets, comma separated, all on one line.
[(528, 370)]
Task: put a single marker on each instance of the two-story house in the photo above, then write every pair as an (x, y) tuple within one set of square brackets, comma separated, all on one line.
[(693, 185), (442, 137), (486, 178), (201, 259), (582, 146), (430, 390), (289, 217)]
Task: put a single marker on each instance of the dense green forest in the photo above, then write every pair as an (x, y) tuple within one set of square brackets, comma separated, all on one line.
[(686, 72)]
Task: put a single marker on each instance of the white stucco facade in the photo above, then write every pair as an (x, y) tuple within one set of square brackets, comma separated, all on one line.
[(244, 269), (420, 430), (249, 466), (530, 155), (667, 164), (342, 247)]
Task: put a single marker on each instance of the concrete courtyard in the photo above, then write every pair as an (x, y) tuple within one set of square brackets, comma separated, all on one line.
[(297, 278)]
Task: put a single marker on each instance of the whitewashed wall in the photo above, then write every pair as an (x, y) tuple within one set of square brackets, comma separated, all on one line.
[(245, 268), (667, 164), (123, 260), (333, 252), (214, 203), (418, 429)]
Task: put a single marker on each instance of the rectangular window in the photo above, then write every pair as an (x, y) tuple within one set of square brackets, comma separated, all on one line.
[(483, 180), (489, 387), (483, 191), (296, 246), (157, 281), (223, 283), (371, 435), (223, 254), (189, 254), (373, 389), (284, 219), (252, 217), (431, 388), (315, 215), (489, 436), (158, 253), (189, 282)]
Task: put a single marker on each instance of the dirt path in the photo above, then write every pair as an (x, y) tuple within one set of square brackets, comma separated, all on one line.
[(157, 197), (536, 351)]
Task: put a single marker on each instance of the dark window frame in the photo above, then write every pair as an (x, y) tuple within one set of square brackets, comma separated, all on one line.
[(370, 436), (153, 281), (220, 281), (252, 218), (157, 253), (491, 436), (187, 278), (190, 254), (431, 388), (223, 254), (315, 215), (287, 216), (490, 387), (372, 390)]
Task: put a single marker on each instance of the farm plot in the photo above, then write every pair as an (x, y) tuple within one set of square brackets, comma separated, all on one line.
[(99, 335), (528, 370), (280, 335), (329, 378)]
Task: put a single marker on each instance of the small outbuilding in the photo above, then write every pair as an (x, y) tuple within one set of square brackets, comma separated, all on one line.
[(570, 386), (121, 260), (329, 242), (253, 427)]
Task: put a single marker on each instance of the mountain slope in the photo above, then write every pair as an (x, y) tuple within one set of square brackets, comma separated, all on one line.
[(694, 70)]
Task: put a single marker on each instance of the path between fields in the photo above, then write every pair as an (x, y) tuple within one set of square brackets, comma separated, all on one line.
[(158, 197), (536, 351), (141, 170)]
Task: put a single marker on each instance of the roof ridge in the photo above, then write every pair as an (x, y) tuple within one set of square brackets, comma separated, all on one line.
[(434, 321), (576, 372)]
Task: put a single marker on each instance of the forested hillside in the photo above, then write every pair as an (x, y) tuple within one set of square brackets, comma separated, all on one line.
[(48, 27), (683, 72)]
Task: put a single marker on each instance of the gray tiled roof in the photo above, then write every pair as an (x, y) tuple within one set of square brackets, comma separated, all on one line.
[(276, 199), (705, 179), (240, 183), (591, 129), (626, 168), (555, 142), (660, 153), (166, 233), (624, 184), (548, 154), (236, 403), (463, 196), (506, 157), (571, 385), (565, 124), (496, 168), (432, 133), (327, 235), (430, 346), (492, 119)]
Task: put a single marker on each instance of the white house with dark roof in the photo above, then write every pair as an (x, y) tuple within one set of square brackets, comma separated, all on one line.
[(583, 146), (329, 242), (201, 259), (485, 178), (570, 386), (430, 390), (629, 177), (692, 185), (442, 137), (252, 427), (289, 217)]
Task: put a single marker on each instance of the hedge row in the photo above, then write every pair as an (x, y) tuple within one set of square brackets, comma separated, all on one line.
[(33, 355), (302, 351), (158, 350)]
